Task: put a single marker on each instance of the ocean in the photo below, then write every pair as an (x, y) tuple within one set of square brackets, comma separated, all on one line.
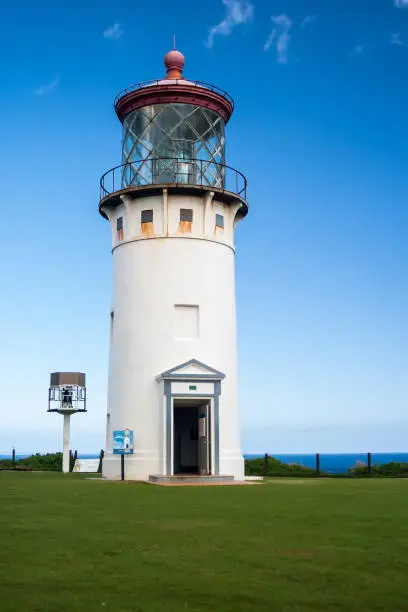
[(330, 463)]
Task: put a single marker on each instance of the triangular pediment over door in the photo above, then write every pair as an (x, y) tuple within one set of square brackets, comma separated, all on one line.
[(192, 369)]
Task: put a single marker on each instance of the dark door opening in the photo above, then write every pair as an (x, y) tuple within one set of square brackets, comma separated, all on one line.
[(185, 439), (192, 437)]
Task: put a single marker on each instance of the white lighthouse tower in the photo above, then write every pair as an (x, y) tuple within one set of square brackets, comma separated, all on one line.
[(173, 206)]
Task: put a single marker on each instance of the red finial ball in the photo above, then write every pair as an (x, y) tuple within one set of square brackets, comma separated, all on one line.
[(174, 62)]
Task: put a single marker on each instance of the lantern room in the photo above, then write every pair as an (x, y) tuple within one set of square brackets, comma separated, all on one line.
[(173, 130)]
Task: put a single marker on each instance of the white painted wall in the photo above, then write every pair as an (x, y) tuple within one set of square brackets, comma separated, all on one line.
[(150, 276)]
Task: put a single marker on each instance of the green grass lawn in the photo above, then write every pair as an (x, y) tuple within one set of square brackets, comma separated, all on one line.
[(69, 544)]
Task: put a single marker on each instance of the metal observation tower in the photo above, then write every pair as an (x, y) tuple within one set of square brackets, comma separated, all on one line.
[(173, 205)]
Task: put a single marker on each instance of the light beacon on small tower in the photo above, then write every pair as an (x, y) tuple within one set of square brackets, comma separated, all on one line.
[(173, 205), (67, 396)]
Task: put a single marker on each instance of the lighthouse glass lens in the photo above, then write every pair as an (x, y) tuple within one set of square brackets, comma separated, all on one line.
[(173, 143)]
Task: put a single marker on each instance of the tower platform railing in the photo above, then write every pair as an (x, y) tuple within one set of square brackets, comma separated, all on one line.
[(173, 171), (170, 85)]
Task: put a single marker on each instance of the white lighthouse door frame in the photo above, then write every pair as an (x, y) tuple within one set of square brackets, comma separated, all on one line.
[(197, 381)]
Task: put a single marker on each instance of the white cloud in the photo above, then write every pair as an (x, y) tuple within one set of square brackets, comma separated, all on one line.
[(395, 39), (238, 13), (401, 3), (280, 37), (308, 20), (48, 88), (114, 33)]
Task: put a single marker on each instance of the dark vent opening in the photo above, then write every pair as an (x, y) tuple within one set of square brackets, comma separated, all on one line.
[(147, 216), (186, 214), (219, 221)]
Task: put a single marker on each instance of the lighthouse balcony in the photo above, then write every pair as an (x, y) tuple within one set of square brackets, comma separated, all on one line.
[(174, 173)]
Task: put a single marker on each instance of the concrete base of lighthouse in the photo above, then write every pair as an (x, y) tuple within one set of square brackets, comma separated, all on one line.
[(138, 466), (190, 438)]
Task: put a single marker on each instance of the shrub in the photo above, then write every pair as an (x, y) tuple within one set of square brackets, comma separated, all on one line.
[(392, 469), (255, 467), (49, 461)]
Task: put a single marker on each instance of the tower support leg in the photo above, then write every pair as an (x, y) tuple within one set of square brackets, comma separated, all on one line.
[(65, 456)]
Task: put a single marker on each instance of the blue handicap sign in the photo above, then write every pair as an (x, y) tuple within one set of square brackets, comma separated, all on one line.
[(122, 442)]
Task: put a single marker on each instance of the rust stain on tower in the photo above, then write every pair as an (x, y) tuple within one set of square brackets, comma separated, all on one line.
[(148, 229), (185, 227)]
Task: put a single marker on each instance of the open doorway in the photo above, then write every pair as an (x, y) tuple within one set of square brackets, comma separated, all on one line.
[(191, 436)]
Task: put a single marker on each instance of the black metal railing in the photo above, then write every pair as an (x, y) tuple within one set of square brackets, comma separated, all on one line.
[(170, 85), (393, 465), (172, 171)]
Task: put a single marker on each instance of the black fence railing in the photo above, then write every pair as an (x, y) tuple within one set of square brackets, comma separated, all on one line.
[(317, 465), (172, 171)]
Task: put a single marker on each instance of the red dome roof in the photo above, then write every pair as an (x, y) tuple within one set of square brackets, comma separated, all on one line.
[(174, 62)]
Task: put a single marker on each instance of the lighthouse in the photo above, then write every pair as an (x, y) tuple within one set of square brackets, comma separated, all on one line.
[(173, 205)]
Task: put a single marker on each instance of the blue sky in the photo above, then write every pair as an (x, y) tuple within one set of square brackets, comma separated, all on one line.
[(319, 130)]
